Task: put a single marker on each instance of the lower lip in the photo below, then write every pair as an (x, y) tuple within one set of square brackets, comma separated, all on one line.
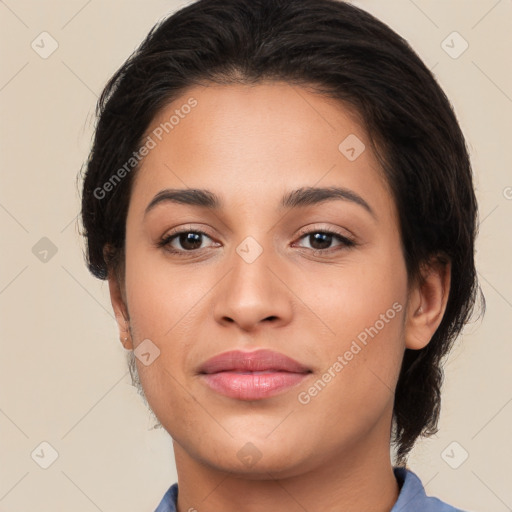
[(252, 386)]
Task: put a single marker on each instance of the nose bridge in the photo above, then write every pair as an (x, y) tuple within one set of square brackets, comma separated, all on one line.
[(251, 292), (251, 262)]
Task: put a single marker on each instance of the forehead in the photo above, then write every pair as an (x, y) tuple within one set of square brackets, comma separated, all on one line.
[(256, 141)]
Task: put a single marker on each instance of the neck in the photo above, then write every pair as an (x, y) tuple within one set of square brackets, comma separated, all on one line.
[(349, 481)]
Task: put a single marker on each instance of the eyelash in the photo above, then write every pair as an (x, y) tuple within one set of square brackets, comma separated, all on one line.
[(346, 242)]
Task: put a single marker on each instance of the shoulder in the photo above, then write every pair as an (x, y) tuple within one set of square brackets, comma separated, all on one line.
[(412, 495), (168, 503)]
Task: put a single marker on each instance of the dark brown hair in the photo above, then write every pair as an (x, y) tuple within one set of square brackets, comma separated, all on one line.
[(342, 52)]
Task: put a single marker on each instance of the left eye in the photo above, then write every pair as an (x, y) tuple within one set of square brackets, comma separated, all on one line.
[(319, 240)]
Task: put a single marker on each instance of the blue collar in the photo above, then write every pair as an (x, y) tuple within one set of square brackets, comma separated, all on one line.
[(412, 497)]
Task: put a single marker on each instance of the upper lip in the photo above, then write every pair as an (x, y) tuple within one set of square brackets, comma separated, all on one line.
[(258, 360)]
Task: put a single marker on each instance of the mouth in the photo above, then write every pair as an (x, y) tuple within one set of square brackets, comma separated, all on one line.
[(252, 385), (263, 372), (252, 375)]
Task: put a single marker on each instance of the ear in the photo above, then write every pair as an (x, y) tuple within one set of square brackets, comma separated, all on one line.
[(120, 310), (427, 303)]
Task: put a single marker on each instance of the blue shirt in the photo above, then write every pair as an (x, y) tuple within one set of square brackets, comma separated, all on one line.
[(412, 497)]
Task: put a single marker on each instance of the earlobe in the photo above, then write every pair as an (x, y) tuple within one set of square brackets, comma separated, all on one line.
[(120, 311), (427, 304)]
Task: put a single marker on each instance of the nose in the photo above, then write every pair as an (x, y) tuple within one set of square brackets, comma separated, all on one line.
[(254, 293)]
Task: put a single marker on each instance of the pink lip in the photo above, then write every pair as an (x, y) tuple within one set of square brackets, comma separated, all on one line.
[(252, 375)]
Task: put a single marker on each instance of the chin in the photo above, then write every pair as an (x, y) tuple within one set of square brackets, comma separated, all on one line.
[(261, 467)]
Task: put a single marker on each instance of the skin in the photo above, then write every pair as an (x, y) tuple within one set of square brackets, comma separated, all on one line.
[(250, 145)]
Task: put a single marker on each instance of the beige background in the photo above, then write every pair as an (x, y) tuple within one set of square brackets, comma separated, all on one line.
[(63, 375)]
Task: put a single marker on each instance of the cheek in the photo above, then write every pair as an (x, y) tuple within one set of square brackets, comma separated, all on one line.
[(354, 295), (161, 297), (355, 389), (363, 305), (156, 302)]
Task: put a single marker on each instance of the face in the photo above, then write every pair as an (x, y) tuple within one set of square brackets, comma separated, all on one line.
[(322, 281)]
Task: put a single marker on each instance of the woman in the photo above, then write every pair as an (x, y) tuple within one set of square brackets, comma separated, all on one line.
[(281, 199)]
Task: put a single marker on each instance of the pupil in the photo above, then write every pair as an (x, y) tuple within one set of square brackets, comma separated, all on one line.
[(190, 240), (322, 238)]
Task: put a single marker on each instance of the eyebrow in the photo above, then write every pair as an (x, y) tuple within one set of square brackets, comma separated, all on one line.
[(301, 197)]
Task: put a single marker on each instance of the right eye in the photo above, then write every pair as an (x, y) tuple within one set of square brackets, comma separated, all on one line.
[(189, 240)]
